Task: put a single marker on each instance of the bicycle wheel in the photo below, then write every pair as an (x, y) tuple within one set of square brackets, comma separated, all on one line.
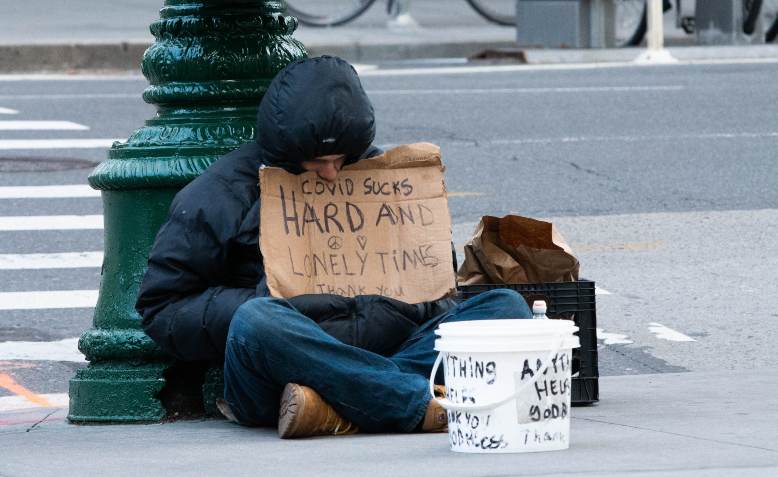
[(501, 12), (770, 15), (751, 10), (631, 22), (772, 32), (326, 13)]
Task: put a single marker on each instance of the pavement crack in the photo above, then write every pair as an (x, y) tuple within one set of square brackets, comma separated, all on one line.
[(577, 167), (678, 434), (611, 182), (41, 420)]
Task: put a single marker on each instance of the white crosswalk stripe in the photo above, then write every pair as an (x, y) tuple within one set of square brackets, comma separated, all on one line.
[(48, 192), (60, 350), (10, 144), (662, 332), (51, 222), (41, 126), (8, 111), (18, 403), (34, 261), (48, 300)]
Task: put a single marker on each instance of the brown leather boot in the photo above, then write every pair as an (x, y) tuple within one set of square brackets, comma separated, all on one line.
[(436, 418), (303, 413), (224, 408)]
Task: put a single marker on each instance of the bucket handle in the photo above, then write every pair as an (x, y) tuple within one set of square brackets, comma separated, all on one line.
[(453, 406)]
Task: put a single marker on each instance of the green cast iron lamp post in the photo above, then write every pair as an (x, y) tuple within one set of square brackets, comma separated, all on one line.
[(208, 69)]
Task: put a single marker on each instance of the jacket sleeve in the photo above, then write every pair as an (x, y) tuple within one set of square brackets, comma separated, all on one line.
[(186, 309)]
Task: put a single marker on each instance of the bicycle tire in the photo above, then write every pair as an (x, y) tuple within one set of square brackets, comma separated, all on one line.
[(751, 9), (315, 20), (492, 15), (640, 32), (772, 32), (637, 35)]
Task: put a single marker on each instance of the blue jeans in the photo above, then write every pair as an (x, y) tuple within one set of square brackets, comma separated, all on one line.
[(270, 344)]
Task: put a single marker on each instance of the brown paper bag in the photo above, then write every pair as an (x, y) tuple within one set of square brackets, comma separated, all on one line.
[(515, 249)]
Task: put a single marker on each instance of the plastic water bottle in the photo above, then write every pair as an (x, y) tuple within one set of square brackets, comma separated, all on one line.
[(539, 310)]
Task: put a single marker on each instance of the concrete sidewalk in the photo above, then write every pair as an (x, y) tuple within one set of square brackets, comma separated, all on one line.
[(352, 43), (690, 424), (75, 36)]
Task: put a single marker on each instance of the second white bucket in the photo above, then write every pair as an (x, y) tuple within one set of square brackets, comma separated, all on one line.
[(507, 384)]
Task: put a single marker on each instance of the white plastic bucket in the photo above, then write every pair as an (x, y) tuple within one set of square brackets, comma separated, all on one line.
[(507, 384)]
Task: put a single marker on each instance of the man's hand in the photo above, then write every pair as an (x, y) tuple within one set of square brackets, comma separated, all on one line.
[(322, 307), (372, 322)]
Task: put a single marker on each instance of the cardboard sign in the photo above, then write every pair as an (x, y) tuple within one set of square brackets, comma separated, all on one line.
[(381, 228)]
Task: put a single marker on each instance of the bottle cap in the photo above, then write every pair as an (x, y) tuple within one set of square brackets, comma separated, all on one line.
[(539, 306)]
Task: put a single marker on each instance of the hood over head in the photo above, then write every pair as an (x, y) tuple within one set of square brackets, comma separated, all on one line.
[(314, 107)]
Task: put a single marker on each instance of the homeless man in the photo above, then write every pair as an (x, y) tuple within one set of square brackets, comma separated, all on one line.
[(313, 364)]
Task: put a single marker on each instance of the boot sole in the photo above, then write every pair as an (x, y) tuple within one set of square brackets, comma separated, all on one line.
[(291, 406), (224, 408)]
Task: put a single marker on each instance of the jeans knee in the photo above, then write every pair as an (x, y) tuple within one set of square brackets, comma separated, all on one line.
[(254, 319), (507, 302)]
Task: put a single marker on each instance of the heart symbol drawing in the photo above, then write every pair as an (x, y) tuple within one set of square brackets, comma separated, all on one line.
[(362, 241)]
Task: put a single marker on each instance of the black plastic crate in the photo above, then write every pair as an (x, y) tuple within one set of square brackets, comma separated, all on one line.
[(571, 301)]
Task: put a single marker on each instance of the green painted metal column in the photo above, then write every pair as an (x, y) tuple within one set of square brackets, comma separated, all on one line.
[(208, 69)]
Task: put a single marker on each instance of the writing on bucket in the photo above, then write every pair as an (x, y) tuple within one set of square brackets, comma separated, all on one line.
[(463, 375)]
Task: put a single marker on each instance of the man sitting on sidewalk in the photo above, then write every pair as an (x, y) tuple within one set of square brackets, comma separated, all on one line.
[(301, 364)]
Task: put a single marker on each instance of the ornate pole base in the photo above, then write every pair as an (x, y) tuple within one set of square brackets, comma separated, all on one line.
[(117, 392), (209, 67)]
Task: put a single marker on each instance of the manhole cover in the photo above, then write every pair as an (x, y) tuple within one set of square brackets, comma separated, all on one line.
[(43, 164)]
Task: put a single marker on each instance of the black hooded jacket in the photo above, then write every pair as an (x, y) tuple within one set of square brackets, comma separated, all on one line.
[(205, 261)]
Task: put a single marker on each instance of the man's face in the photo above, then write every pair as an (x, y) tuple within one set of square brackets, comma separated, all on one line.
[(327, 167)]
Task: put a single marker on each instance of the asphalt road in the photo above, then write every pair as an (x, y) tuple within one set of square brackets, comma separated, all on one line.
[(663, 179)]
